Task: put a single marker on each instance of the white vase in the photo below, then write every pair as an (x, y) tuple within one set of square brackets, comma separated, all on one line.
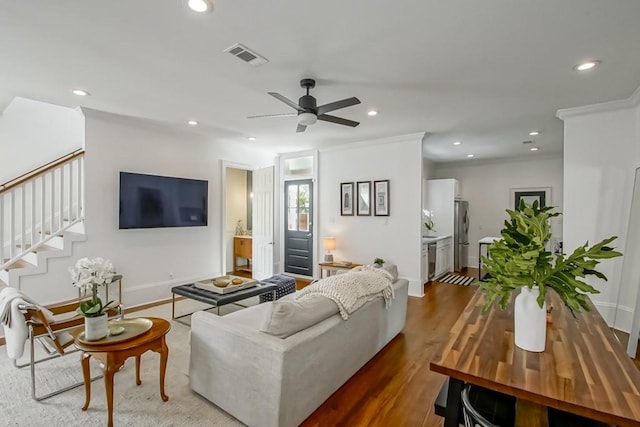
[(96, 328), (530, 320)]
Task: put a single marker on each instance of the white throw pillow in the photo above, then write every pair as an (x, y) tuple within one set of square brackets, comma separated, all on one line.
[(288, 317)]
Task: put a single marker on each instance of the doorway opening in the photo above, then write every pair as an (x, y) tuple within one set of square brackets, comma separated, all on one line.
[(298, 221), (238, 221)]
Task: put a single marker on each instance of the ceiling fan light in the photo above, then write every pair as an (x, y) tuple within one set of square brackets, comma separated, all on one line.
[(307, 119)]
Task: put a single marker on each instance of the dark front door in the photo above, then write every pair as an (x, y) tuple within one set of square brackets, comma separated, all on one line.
[(298, 237)]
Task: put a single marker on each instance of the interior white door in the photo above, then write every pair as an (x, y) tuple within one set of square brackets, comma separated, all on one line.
[(263, 222)]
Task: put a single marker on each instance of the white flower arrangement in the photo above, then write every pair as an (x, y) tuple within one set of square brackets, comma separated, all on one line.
[(87, 275)]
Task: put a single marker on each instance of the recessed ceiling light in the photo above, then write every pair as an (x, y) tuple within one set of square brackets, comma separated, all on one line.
[(587, 65), (534, 148), (457, 143), (469, 155), (193, 122), (200, 6), (252, 138), (534, 133), (373, 113), (80, 92)]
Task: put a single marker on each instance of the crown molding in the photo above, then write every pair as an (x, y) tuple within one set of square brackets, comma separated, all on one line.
[(379, 141), (631, 102)]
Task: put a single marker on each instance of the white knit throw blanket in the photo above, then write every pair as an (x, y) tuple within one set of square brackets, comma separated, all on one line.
[(352, 290)]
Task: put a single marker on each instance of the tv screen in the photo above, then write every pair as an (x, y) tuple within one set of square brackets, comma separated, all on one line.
[(151, 201)]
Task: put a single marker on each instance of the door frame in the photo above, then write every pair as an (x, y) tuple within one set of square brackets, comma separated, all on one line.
[(280, 201), (223, 207)]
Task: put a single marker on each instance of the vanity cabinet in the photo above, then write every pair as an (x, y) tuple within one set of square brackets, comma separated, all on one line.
[(242, 253)]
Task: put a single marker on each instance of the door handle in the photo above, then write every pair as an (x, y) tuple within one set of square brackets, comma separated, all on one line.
[(309, 235)]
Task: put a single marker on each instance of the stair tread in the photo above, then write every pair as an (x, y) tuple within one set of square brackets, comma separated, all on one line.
[(18, 264), (41, 248)]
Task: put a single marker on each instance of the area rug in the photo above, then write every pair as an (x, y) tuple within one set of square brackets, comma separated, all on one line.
[(457, 279), (138, 406)]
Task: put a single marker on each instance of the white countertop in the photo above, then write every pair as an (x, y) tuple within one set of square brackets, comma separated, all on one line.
[(432, 239)]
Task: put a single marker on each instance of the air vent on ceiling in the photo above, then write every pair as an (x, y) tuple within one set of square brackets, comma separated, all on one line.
[(527, 142), (246, 54)]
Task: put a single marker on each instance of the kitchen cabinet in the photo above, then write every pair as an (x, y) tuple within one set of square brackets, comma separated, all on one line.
[(242, 248), (457, 190), (425, 263), (443, 257)]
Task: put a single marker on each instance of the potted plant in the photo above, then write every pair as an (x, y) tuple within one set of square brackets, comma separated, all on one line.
[(520, 260), (428, 224), (378, 262), (87, 275)]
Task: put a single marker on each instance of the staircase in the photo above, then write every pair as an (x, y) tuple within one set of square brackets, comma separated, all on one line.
[(41, 216)]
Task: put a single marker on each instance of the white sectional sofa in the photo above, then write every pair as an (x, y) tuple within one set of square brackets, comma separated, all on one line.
[(267, 381)]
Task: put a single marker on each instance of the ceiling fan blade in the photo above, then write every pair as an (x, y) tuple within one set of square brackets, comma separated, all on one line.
[(286, 100), (273, 115), (338, 120), (337, 105), (301, 128)]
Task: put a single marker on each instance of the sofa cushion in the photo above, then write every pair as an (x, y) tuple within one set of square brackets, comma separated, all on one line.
[(290, 316)]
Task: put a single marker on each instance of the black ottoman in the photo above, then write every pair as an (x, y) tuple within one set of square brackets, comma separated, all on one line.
[(286, 285)]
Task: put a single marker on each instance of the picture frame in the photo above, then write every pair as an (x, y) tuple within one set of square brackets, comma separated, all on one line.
[(346, 198), (540, 194), (381, 202), (363, 206)]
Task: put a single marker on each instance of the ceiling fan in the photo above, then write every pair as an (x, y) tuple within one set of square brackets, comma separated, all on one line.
[(309, 112)]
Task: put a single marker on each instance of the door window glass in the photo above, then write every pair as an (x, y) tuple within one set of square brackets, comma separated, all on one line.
[(298, 207)]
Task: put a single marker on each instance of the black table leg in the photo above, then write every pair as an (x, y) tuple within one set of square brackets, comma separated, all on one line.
[(453, 403)]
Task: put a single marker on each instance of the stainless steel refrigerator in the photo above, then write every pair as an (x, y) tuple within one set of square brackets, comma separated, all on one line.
[(460, 235)]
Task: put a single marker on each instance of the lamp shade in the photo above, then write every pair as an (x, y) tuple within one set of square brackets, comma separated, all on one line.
[(329, 243)]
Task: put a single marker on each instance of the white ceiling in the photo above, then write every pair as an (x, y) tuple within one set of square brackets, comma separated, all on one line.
[(483, 72)]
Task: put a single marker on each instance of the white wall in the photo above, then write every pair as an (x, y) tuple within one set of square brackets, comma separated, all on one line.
[(601, 152), (151, 260), (487, 187), (34, 133), (395, 238)]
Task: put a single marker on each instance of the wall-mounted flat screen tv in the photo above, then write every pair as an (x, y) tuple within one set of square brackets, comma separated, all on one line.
[(152, 201)]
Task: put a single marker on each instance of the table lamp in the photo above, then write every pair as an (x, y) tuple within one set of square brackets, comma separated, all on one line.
[(329, 244)]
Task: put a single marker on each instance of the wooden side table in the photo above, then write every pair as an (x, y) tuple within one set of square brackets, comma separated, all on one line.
[(114, 355), (332, 266)]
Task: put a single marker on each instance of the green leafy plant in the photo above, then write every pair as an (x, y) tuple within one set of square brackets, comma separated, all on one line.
[(378, 262), (520, 259)]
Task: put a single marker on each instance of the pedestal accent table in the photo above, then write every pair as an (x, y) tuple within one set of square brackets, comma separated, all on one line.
[(113, 356)]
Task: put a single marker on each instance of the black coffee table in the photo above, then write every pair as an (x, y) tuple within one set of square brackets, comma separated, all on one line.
[(215, 299)]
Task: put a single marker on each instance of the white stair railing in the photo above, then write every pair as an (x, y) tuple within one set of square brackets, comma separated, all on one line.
[(39, 205)]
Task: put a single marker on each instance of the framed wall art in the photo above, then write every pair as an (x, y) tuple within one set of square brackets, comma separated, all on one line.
[(381, 197), (540, 194), (346, 198), (364, 198)]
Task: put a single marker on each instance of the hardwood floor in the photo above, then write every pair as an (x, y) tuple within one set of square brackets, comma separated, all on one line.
[(396, 387)]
